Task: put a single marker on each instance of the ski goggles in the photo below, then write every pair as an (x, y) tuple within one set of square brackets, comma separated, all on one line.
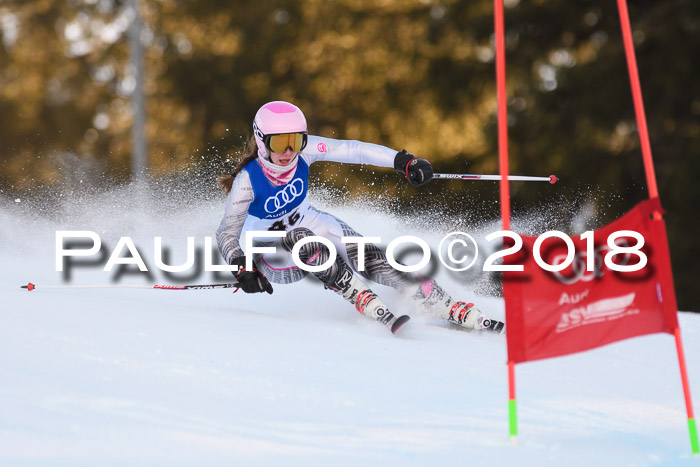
[(280, 143)]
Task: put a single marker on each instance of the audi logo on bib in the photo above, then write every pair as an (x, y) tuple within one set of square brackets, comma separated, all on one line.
[(282, 198)]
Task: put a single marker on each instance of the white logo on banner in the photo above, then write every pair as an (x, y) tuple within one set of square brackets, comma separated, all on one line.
[(596, 312)]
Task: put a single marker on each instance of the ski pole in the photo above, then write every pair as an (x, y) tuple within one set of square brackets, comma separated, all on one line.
[(514, 178), (31, 286)]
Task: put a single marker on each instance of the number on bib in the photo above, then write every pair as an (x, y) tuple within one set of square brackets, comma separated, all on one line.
[(292, 219)]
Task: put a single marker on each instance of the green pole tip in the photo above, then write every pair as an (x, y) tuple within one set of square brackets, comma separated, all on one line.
[(513, 418), (692, 429)]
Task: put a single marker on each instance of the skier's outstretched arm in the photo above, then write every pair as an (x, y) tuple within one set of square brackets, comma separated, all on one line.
[(418, 171)]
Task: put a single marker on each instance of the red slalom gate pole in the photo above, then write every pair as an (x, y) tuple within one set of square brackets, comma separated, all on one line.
[(653, 192), (637, 98), (502, 113), (692, 428), (499, 29)]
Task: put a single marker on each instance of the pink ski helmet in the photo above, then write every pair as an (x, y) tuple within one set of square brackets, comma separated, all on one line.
[(277, 117)]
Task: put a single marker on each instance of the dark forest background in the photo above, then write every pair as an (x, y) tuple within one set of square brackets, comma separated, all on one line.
[(406, 74)]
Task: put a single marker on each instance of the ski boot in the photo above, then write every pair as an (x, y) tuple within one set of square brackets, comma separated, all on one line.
[(434, 298), (468, 316), (340, 278), (367, 302)]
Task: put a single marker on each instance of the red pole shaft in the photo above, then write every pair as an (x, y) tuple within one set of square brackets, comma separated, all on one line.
[(502, 112), (651, 184), (512, 404), (692, 427), (637, 98), (684, 373), (511, 380), (499, 28)]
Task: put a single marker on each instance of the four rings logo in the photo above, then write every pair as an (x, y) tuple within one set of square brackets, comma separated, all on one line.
[(577, 271), (282, 198)]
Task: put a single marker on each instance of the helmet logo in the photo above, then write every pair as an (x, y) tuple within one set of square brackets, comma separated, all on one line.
[(258, 133)]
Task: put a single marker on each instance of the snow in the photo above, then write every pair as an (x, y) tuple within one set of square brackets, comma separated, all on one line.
[(205, 377)]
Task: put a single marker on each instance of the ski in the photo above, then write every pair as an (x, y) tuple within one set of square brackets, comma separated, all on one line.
[(393, 323), (399, 322), (492, 325)]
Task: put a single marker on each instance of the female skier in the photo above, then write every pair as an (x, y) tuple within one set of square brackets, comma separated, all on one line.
[(268, 191)]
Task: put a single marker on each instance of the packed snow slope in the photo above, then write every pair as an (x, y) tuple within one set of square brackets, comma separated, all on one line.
[(115, 377)]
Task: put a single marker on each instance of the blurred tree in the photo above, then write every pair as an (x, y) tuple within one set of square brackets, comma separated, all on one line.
[(62, 88)]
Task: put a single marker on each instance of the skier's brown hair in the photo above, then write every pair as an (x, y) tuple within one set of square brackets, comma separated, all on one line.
[(251, 152)]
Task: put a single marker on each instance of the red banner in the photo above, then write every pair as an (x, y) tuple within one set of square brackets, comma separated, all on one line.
[(588, 304)]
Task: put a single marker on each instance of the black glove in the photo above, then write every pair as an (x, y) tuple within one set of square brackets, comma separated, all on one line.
[(252, 281), (418, 171)]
